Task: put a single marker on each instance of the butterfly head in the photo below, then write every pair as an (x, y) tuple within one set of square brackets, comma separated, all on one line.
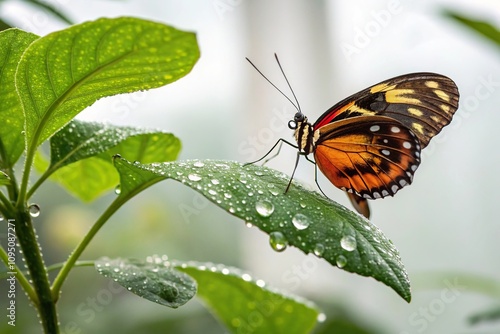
[(304, 133)]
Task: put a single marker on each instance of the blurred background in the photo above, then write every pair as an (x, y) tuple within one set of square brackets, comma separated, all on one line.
[(445, 224)]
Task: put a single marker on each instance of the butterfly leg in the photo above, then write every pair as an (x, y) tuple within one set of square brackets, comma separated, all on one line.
[(293, 173), (280, 143)]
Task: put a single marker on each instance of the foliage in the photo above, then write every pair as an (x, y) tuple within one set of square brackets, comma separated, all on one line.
[(46, 81)]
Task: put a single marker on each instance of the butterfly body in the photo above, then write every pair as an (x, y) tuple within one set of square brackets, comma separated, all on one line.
[(370, 143)]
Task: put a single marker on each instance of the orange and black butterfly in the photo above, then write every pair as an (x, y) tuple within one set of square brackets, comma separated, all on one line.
[(369, 144)]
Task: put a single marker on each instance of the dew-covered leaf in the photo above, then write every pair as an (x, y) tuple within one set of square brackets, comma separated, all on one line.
[(155, 282), (299, 218), (246, 305), (83, 151), (13, 42), (66, 71), (79, 140)]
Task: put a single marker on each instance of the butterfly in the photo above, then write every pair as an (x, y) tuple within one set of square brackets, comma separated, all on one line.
[(369, 144)]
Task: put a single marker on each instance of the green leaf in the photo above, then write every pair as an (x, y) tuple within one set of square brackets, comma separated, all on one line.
[(66, 71), (157, 283), (245, 305), (484, 28), (80, 140), (87, 179), (4, 179), (83, 151), (299, 218), (13, 43), (489, 315)]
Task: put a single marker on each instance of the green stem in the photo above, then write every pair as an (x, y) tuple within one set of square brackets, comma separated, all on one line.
[(21, 278), (69, 264), (45, 304)]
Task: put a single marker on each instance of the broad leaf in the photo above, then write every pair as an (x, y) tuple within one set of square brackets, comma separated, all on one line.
[(13, 43), (66, 71), (83, 151), (299, 218), (246, 305), (157, 283)]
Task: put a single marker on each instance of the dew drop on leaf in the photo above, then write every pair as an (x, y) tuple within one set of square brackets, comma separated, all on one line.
[(194, 177), (198, 164), (34, 210), (118, 190), (348, 243), (341, 261), (277, 241), (300, 221), (264, 208), (321, 317), (319, 249)]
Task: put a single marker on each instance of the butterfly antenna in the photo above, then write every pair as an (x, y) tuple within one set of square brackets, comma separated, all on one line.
[(289, 86), (279, 90)]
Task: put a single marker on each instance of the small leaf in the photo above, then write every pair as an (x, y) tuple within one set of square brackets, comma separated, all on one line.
[(157, 283), (484, 28), (66, 71), (4, 179), (13, 43), (83, 151), (245, 305), (302, 218)]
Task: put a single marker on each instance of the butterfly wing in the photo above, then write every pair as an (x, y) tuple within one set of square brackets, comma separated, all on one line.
[(371, 157), (422, 102)]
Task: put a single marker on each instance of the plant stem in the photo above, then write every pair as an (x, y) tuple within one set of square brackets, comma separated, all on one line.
[(68, 265), (27, 239)]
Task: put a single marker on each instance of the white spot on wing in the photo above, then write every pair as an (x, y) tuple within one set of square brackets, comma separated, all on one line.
[(407, 145), (374, 128), (395, 129)]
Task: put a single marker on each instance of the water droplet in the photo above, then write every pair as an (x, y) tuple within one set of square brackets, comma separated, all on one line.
[(212, 192), (260, 283), (341, 261), (214, 181), (319, 249), (227, 195), (198, 164), (321, 317), (264, 208), (246, 277), (194, 177), (277, 241), (1, 217), (34, 210), (300, 221), (118, 190), (348, 243), (249, 225), (259, 173)]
